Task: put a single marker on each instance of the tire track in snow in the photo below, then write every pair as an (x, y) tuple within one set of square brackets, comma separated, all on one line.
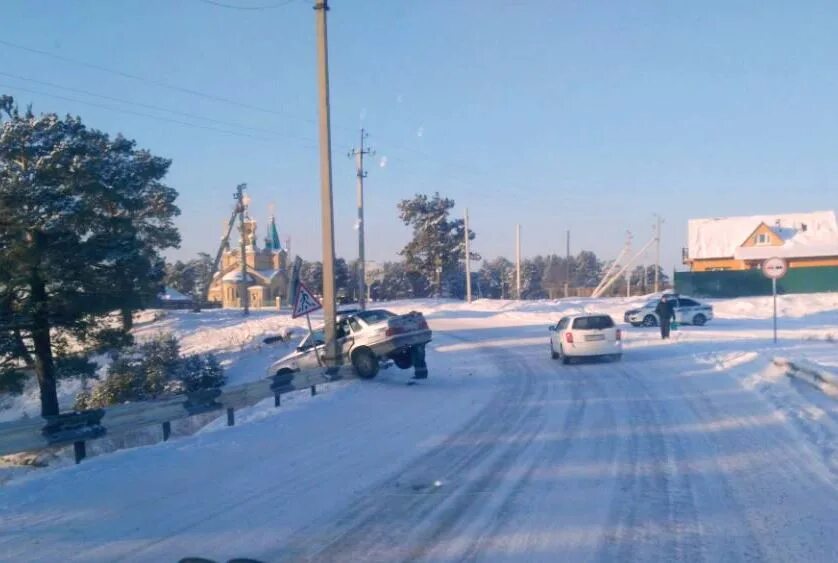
[(776, 460), (662, 487), (547, 456), (392, 523)]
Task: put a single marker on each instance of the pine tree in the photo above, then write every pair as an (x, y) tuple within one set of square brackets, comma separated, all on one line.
[(587, 270), (83, 217), (438, 243), (311, 275), (496, 278), (191, 277)]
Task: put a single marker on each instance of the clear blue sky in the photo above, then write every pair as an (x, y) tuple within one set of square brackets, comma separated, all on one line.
[(588, 116)]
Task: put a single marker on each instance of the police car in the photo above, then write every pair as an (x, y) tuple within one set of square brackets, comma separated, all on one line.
[(687, 311)]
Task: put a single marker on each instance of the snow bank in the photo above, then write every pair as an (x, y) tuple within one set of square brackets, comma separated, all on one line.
[(813, 374), (788, 306)]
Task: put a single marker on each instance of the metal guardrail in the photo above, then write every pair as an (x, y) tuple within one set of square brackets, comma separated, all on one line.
[(79, 427)]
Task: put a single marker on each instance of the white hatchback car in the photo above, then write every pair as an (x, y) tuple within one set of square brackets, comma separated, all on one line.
[(586, 336)]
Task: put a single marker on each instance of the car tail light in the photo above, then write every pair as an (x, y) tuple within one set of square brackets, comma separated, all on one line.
[(619, 334), (394, 330), (423, 325), (568, 337)]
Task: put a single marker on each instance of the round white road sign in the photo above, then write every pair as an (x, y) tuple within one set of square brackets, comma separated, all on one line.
[(774, 268)]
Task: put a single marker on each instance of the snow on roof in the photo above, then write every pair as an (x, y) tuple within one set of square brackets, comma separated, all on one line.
[(267, 274), (805, 235), (235, 275), (171, 294)]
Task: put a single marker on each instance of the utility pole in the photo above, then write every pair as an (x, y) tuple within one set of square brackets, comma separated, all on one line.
[(327, 215), (468, 262), (658, 222), (518, 261), (244, 292), (361, 173), (567, 267)]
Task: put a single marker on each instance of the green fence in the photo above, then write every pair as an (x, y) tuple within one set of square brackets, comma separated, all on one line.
[(752, 282)]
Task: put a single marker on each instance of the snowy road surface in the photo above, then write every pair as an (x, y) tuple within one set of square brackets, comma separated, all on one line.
[(675, 454)]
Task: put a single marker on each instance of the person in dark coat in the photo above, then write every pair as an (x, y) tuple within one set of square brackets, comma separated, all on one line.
[(666, 314)]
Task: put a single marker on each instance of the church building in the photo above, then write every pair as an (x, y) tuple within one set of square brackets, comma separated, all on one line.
[(266, 274)]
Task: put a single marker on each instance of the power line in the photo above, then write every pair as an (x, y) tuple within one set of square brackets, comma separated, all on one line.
[(247, 8), (172, 87), (151, 106), (463, 168), (138, 78), (136, 113)]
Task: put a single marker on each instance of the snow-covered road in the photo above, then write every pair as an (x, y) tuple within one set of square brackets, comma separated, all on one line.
[(672, 455)]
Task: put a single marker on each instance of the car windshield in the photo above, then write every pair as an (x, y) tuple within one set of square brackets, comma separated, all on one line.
[(314, 338), (375, 316), (598, 322)]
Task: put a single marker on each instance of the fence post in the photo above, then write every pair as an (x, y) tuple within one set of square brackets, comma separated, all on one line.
[(167, 430), (231, 417), (313, 390), (79, 451)]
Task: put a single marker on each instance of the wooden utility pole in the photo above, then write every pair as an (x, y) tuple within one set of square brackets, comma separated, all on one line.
[(244, 291), (518, 261), (567, 267), (327, 218), (468, 262), (361, 173), (658, 222)]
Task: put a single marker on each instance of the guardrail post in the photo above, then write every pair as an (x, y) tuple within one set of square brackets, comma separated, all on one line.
[(79, 451), (231, 417), (313, 390), (167, 430), (76, 427)]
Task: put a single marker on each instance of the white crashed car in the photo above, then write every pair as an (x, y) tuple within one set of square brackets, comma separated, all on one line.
[(365, 339)]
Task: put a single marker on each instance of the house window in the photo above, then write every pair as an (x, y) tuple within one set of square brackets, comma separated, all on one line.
[(763, 239)]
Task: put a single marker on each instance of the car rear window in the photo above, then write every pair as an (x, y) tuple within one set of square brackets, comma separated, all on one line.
[(593, 323), (374, 316)]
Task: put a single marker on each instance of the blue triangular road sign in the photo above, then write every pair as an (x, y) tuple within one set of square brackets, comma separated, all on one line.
[(304, 302)]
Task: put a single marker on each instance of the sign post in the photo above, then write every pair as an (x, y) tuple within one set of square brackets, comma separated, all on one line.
[(305, 303), (774, 269)]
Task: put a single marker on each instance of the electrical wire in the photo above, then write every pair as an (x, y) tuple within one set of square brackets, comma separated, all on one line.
[(152, 106), (136, 113), (247, 8), (138, 78)]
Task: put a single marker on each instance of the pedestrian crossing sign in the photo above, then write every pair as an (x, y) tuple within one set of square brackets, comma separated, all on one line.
[(304, 302)]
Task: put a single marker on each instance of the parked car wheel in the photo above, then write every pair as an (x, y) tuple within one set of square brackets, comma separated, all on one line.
[(650, 320), (699, 320), (553, 353), (365, 363)]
